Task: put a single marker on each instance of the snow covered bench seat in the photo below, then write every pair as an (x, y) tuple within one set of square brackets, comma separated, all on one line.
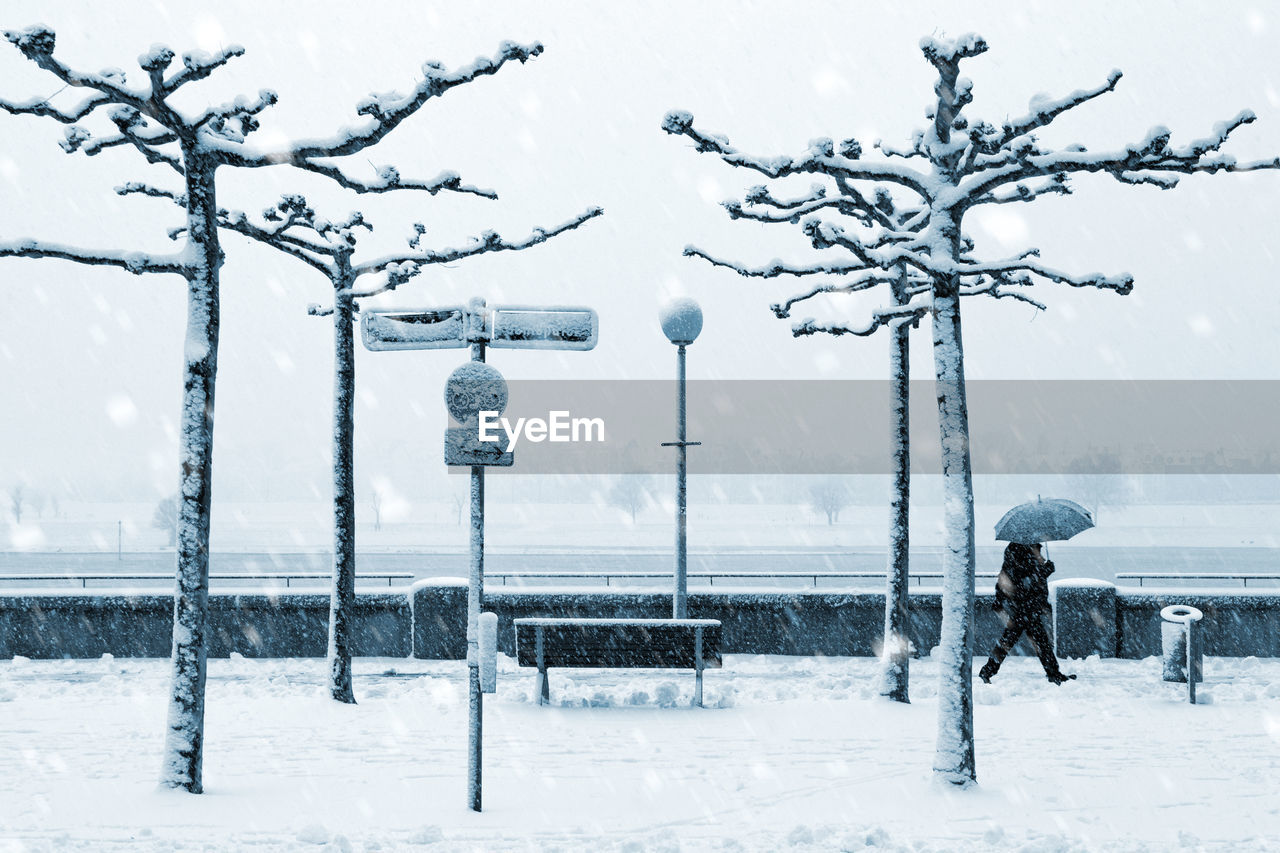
[(618, 644)]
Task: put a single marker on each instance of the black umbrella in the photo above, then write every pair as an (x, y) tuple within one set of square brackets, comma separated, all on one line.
[(1043, 520)]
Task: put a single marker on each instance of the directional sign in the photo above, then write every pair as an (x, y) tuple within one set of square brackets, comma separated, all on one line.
[(438, 328), (503, 327), (552, 327)]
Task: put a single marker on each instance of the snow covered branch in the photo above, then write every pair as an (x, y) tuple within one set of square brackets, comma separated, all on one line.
[(992, 287), (1149, 161), (880, 318), (37, 42), (775, 267), (236, 120), (1056, 185), (385, 111), (197, 65), (135, 262), (42, 107), (490, 241), (389, 180), (1043, 110), (821, 158), (1121, 284), (870, 279), (137, 188)]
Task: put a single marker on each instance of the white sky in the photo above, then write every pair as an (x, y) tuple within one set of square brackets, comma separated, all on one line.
[(90, 358)]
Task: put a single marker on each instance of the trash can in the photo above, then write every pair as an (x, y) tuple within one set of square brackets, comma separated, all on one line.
[(1177, 628)]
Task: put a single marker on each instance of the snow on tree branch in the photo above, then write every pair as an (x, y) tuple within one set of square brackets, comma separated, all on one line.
[(869, 279), (1121, 284), (385, 111), (490, 241), (775, 267), (881, 317), (137, 263), (197, 65), (1056, 185), (992, 287), (389, 179), (42, 107), (137, 188), (818, 160), (37, 42), (1043, 110), (236, 120)]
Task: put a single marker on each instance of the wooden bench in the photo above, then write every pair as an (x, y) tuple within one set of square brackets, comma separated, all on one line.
[(618, 644)]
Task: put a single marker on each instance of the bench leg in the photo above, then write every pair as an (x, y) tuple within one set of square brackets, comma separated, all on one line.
[(697, 667), (543, 688)]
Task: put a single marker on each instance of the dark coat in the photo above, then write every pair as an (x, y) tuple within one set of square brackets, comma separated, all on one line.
[(1022, 588)]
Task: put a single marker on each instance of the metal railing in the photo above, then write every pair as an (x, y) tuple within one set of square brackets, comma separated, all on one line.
[(287, 577), (712, 577), (1243, 577)]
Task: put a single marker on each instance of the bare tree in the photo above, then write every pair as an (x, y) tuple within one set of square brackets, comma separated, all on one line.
[(375, 501), (630, 493), (17, 501), (38, 503), (293, 228), (827, 497), (459, 504), (883, 216), (965, 164), (166, 519), (1097, 480), (194, 145)]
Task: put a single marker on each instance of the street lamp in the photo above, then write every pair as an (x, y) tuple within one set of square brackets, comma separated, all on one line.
[(681, 321)]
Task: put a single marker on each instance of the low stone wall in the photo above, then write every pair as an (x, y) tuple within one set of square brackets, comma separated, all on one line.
[(82, 626), (1089, 618), (1234, 624), (754, 623)]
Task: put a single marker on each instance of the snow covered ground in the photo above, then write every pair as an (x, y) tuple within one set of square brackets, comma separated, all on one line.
[(791, 753)]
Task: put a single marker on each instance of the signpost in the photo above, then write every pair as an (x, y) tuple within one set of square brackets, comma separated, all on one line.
[(472, 388)]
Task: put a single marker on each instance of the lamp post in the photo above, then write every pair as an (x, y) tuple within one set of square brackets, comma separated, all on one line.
[(681, 321)]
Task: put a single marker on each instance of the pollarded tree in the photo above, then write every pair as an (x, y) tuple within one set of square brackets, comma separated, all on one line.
[(194, 145), (966, 164), (329, 247), (882, 217)]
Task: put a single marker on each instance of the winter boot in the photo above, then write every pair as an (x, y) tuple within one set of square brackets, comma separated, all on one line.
[(1059, 677), (988, 671)]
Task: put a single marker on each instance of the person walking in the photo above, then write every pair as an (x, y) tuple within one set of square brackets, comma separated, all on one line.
[(1022, 600)]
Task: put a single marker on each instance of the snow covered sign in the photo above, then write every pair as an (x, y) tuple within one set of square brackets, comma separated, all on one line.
[(527, 327), (504, 327), (438, 328)]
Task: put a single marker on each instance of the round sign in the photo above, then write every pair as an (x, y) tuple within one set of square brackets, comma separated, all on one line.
[(681, 320), (473, 388)]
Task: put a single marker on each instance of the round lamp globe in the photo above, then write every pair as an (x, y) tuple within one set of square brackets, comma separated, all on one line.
[(681, 320)]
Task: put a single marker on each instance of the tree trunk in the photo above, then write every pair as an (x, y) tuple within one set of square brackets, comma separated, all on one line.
[(184, 740), (342, 603), (897, 603), (954, 758)]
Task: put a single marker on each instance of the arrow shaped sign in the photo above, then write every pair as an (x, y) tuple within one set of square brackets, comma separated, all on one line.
[(441, 328), (502, 327), (528, 327)]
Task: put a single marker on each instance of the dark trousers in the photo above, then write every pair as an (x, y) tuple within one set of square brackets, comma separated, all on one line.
[(1015, 627)]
